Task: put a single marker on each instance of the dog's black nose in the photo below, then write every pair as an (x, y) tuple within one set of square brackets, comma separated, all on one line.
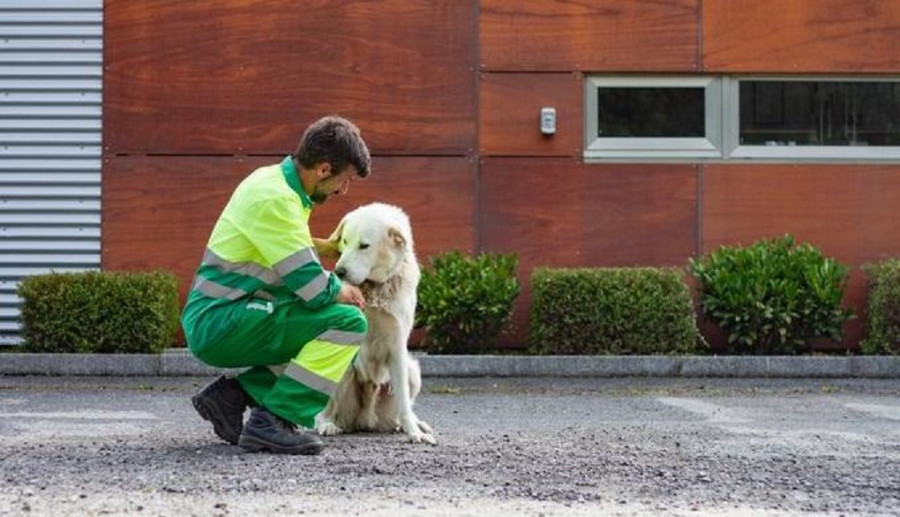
[(340, 272)]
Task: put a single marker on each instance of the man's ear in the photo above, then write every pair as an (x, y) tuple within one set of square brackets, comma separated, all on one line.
[(397, 237), (335, 236), (323, 170)]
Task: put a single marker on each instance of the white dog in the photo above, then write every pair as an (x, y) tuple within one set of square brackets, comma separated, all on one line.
[(377, 393)]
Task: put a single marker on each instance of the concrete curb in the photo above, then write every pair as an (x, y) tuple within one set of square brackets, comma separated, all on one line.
[(179, 362), (79, 364)]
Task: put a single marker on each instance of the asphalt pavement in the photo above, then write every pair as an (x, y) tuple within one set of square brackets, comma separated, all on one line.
[(507, 446)]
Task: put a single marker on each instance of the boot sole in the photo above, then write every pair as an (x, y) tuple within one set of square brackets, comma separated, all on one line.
[(210, 413), (253, 444)]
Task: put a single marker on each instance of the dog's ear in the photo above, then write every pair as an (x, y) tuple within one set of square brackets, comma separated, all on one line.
[(397, 237)]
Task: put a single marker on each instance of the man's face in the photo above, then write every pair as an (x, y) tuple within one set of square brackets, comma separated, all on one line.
[(331, 184)]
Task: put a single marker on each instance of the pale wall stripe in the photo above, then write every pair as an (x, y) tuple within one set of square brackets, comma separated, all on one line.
[(252, 269), (341, 337), (314, 287), (296, 261), (310, 379)]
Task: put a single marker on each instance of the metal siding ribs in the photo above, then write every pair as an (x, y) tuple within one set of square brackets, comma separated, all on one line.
[(51, 56)]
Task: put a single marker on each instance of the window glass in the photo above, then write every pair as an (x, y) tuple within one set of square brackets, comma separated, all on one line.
[(821, 113), (651, 112)]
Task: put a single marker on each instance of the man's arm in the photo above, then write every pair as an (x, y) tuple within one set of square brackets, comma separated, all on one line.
[(279, 232), (327, 249)]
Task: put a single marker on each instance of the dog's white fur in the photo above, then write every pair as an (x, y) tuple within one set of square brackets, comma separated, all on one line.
[(378, 392)]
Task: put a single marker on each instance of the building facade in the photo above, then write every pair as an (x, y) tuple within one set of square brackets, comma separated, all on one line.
[(603, 133)]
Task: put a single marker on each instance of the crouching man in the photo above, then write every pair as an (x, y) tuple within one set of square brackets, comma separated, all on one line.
[(261, 298)]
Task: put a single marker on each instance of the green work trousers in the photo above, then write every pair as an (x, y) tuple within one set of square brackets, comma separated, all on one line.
[(296, 355)]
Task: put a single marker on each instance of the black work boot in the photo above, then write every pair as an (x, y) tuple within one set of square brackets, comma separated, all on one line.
[(223, 403), (266, 431)]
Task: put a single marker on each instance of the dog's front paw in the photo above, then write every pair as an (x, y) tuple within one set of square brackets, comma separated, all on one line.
[(328, 429), (418, 436), (423, 425)]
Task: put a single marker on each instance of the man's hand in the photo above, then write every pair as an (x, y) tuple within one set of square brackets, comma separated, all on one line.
[(351, 295), (327, 249)]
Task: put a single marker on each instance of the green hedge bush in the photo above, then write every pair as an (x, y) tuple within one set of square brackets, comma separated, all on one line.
[(99, 312), (612, 311), (883, 281), (773, 296), (464, 302)]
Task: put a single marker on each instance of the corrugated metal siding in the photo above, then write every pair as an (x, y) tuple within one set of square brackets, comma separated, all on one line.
[(51, 57)]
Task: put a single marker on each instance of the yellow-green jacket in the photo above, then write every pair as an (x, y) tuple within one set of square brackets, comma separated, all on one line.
[(260, 250)]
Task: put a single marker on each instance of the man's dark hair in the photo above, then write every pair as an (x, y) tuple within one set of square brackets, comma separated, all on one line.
[(334, 140)]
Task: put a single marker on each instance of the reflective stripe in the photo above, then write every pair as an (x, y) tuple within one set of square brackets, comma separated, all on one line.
[(342, 337), (277, 369), (252, 269), (216, 290), (296, 260), (325, 359), (314, 287), (310, 379)]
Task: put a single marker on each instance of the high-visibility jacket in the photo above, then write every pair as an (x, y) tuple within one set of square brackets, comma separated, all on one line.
[(260, 248)]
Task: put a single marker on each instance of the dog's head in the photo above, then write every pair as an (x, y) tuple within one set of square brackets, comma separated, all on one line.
[(373, 240)]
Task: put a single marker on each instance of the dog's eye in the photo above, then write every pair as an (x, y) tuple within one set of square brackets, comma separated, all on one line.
[(363, 245)]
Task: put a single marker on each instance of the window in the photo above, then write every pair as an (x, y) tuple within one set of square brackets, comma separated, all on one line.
[(652, 117), (812, 118), (651, 112), (680, 118)]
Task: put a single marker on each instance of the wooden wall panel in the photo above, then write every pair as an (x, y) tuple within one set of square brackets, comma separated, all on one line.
[(615, 35), (879, 218), (509, 114), (847, 211), (158, 211), (246, 77), (799, 36), (561, 213)]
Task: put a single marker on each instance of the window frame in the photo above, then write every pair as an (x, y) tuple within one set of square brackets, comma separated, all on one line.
[(639, 148), (722, 119), (733, 150)]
